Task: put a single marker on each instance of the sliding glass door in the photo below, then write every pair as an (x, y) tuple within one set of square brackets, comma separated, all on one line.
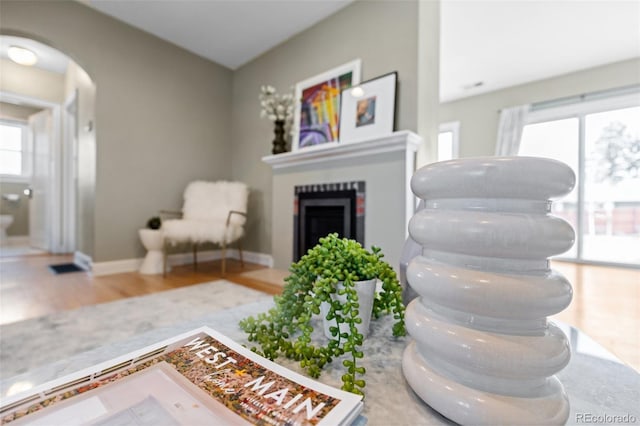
[(600, 140), (560, 140), (611, 224)]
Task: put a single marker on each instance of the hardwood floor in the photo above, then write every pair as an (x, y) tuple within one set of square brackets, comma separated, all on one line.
[(606, 301), (606, 306), (28, 289)]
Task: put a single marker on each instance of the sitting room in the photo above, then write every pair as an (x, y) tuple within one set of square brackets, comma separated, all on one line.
[(174, 159)]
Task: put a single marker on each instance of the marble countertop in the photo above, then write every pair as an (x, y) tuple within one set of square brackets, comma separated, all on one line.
[(597, 383)]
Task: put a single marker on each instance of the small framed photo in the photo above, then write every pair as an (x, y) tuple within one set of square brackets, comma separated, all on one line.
[(368, 109), (316, 117)]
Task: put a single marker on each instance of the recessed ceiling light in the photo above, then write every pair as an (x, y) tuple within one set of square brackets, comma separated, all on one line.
[(473, 85), (22, 56)]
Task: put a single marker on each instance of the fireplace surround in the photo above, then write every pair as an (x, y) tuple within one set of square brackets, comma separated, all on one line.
[(321, 209), (383, 164)]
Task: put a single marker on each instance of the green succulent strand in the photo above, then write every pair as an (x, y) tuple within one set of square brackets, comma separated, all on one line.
[(286, 328)]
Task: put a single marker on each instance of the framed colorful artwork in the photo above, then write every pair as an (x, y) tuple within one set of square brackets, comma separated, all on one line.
[(317, 110), (368, 109)]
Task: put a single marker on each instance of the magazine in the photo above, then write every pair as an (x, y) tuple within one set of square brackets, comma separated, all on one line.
[(197, 378)]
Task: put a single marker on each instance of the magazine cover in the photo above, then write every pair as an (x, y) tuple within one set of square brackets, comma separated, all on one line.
[(197, 378)]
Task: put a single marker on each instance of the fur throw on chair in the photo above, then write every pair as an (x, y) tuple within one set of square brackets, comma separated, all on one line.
[(206, 211)]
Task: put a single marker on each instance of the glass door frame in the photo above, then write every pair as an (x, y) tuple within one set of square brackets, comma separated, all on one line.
[(580, 108)]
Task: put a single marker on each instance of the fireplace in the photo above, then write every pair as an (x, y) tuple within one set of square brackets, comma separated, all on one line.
[(384, 163), (321, 209)]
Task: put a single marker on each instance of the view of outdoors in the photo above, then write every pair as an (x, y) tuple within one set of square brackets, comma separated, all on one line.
[(611, 230), (610, 205), (10, 149), (559, 140), (445, 146)]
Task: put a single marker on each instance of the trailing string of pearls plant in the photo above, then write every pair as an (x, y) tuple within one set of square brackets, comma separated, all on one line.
[(327, 272)]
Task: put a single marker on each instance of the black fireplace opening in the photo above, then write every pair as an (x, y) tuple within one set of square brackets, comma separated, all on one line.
[(323, 209)]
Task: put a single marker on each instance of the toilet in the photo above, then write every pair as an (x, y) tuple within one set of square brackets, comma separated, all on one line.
[(5, 221)]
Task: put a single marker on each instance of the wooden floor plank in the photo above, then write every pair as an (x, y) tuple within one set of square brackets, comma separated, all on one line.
[(606, 301), (29, 289), (606, 306)]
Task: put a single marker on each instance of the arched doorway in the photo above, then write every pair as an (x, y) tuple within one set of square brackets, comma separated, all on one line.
[(52, 101)]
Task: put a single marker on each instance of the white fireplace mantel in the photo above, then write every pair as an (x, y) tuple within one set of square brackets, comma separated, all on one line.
[(398, 141), (385, 164)]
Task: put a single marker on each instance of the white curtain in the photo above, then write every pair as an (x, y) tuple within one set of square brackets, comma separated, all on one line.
[(512, 121)]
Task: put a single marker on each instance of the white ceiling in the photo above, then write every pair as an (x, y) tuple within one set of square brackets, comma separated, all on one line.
[(229, 32), (500, 43), (506, 43)]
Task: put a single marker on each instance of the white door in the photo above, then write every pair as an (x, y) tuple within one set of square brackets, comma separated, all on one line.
[(40, 125), (69, 173)]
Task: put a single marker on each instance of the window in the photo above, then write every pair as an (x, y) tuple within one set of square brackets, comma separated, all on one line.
[(448, 141), (600, 140), (13, 161)]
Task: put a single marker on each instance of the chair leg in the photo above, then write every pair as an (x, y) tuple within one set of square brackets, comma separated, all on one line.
[(195, 256), (224, 257), (240, 253)]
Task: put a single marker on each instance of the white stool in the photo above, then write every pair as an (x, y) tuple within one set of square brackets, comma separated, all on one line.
[(152, 241)]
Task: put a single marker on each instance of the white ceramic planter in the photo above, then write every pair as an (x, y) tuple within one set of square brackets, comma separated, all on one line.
[(483, 351), (366, 292)]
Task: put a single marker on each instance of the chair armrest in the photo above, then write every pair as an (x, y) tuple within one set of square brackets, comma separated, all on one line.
[(171, 213), (231, 212)]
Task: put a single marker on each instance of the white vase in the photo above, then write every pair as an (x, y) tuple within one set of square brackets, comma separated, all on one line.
[(482, 350), (366, 292)]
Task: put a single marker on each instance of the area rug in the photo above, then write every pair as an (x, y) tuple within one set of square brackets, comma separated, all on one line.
[(32, 343)]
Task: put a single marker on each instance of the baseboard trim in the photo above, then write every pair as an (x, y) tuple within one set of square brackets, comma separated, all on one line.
[(253, 257), (132, 265), (115, 267), (187, 258), (17, 240), (82, 260)]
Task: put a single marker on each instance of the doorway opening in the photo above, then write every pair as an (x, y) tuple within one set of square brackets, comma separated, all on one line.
[(42, 106)]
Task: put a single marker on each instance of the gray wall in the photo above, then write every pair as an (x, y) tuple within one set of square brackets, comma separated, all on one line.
[(383, 34), (19, 209), (478, 115), (428, 80), (162, 115)]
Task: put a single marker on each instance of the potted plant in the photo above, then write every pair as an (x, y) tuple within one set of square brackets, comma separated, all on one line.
[(154, 223), (329, 273)]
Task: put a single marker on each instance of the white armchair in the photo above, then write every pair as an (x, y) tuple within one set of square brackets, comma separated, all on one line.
[(213, 212)]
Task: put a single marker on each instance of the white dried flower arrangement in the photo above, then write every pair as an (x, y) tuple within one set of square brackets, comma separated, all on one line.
[(275, 107)]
